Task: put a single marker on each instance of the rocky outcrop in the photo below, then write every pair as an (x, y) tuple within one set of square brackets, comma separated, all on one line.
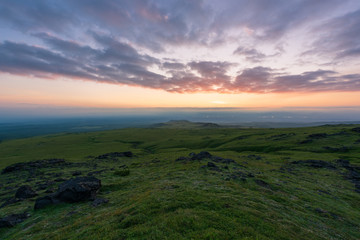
[(74, 190)]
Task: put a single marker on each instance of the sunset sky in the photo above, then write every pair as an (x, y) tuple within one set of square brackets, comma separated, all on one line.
[(180, 53)]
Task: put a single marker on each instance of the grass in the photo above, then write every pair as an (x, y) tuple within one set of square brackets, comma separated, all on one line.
[(152, 196)]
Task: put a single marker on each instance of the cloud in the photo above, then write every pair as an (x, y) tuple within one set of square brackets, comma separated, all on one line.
[(130, 41), (124, 65), (251, 54), (340, 37), (40, 15)]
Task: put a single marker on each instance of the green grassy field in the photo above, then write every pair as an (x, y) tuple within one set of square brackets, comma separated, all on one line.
[(263, 194)]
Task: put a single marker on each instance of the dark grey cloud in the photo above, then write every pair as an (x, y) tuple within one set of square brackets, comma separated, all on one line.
[(266, 80), (129, 67), (123, 36), (339, 37), (39, 15), (251, 54), (156, 23)]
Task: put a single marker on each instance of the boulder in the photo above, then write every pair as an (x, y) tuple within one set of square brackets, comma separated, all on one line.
[(73, 190), (99, 201), (33, 165), (13, 219), (25, 192), (43, 202), (78, 189), (200, 156), (315, 164)]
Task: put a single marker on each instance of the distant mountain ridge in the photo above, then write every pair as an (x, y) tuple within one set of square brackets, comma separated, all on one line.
[(185, 124)]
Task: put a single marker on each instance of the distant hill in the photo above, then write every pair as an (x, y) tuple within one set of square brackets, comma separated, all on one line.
[(185, 124)]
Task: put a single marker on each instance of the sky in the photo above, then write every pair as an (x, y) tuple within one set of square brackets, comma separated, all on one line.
[(179, 53)]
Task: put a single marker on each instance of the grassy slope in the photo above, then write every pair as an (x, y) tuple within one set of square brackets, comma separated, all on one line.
[(164, 199)]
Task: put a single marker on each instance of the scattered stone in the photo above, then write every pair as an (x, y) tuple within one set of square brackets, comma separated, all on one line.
[(99, 201), (113, 155), (254, 157), (340, 149), (59, 179), (78, 189), (95, 172), (13, 219), (33, 165), (262, 183), (317, 136), (357, 129), (45, 201), (200, 156), (306, 141), (315, 164), (182, 159), (9, 201), (45, 185), (76, 173), (74, 190), (25, 192)]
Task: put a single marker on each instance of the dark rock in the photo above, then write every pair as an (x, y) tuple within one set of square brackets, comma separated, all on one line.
[(315, 164), (45, 201), (222, 160), (357, 129), (9, 201), (78, 189), (182, 159), (13, 219), (254, 157), (25, 192), (74, 190), (211, 165), (45, 185), (339, 149), (95, 172), (59, 179), (99, 201), (317, 135), (343, 163), (115, 155), (306, 141), (33, 165), (76, 173), (262, 183), (200, 156)]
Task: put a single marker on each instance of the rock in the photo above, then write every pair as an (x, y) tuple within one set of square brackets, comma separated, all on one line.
[(45, 201), (73, 190), (200, 156), (182, 159), (99, 201), (357, 129), (33, 165), (213, 166), (115, 155), (262, 183), (9, 201), (315, 164), (318, 135), (25, 192), (254, 157), (78, 189), (76, 173), (343, 163), (13, 219), (45, 185)]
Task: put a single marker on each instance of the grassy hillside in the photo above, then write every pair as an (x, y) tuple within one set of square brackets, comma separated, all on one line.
[(259, 184)]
